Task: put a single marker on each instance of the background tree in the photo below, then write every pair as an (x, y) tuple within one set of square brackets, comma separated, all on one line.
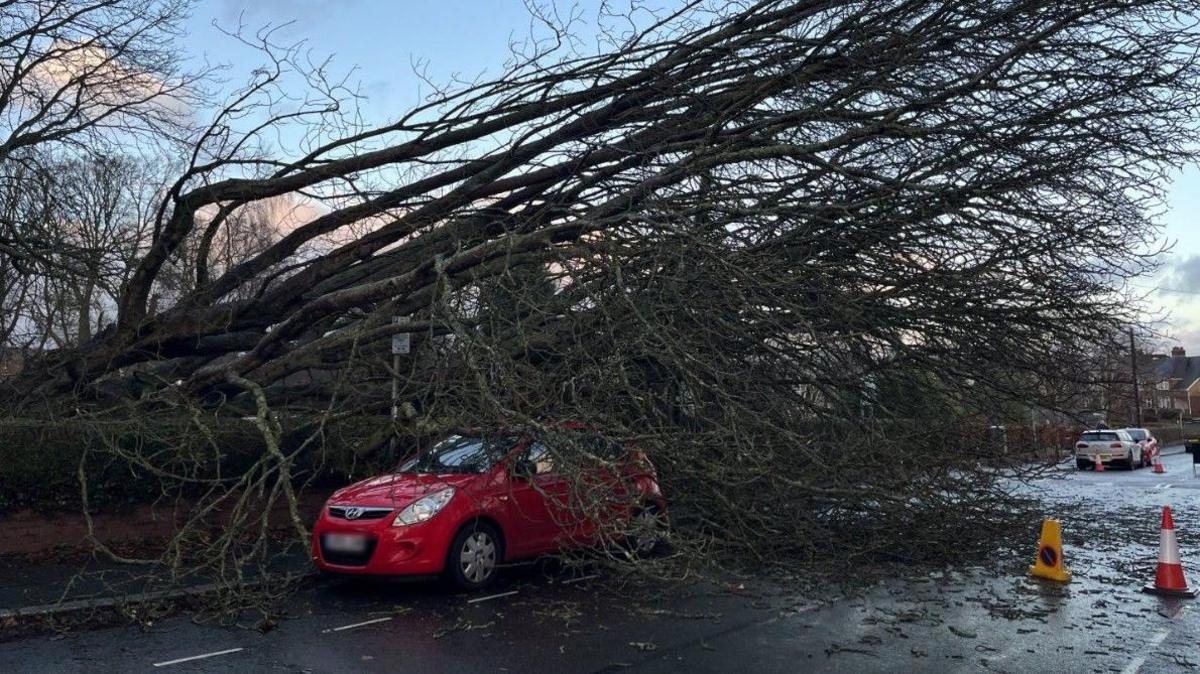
[(86, 77)]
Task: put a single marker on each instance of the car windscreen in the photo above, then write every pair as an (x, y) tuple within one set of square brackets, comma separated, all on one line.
[(1137, 434), (1099, 437), (460, 454)]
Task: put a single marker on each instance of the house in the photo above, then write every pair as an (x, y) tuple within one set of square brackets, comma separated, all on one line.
[(1174, 383)]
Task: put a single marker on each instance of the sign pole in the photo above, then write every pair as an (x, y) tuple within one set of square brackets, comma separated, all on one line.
[(401, 344)]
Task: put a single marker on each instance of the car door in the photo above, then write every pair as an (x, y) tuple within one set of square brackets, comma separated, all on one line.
[(534, 491), (1133, 451)]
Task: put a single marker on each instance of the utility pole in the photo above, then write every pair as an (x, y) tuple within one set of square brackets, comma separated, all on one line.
[(1137, 399)]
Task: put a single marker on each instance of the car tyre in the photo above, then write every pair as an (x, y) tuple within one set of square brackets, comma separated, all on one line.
[(648, 526), (1080, 464), (1129, 461), (474, 556)]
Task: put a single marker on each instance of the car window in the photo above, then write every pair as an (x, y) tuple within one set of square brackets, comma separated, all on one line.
[(539, 455), (1100, 436), (1138, 434), (460, 454)]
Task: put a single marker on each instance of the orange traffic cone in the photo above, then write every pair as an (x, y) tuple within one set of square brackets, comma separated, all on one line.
[(1158, 465), (1049, 561), (1099, 465), (1169, 580)]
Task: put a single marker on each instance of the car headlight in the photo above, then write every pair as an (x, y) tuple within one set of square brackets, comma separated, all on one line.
[(424, 507)]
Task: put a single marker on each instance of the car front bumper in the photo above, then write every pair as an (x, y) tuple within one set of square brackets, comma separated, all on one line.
[(417, 550)]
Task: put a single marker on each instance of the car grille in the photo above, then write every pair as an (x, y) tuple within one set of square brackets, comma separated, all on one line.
[(348, 558), (364, 513)]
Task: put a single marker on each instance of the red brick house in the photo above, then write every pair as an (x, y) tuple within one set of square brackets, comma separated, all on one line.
[(1174, 383)]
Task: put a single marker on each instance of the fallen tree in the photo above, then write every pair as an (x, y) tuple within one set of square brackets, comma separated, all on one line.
[(745, 236)]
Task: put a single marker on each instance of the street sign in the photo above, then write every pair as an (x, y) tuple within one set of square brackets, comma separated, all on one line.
[(401, 341)]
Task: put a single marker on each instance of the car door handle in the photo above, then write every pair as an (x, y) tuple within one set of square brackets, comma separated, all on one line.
[(502, 497)]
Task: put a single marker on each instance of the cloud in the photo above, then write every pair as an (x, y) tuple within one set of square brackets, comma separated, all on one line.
[(1177, 301), (92, 78), (1189, 339), (1183, 275)]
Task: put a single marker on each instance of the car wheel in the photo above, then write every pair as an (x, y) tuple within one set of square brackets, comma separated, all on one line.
[(1080, 464), (647, 529), (475, 556), (1132, 465)]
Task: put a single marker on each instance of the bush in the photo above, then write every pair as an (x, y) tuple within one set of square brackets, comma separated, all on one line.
[(40, 460)]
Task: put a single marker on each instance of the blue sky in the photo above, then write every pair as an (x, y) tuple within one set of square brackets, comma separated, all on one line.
[(382, 39)]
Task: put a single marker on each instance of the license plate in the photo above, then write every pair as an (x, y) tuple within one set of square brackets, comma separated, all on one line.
[(346, 542)]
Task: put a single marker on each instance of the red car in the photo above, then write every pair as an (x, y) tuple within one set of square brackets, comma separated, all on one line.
[(1148, 442), (474, 501)]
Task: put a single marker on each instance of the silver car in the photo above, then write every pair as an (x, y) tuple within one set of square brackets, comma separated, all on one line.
[(1107, 446)]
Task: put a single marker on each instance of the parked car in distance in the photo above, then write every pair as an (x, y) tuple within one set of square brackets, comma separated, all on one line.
[(1191, 435), (474, 501), (1149, 444), (1108, 446)]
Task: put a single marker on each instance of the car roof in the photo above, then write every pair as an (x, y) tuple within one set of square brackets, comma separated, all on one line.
[(1107, 430)]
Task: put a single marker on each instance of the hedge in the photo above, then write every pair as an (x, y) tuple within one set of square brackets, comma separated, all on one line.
[(39, 460)]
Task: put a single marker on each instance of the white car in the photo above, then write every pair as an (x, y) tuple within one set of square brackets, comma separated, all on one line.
[(1108, 446)]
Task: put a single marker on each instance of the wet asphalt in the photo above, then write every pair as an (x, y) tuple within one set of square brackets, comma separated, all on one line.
[(543, 618)]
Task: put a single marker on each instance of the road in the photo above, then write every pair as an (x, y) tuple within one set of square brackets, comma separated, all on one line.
[(546, 619)]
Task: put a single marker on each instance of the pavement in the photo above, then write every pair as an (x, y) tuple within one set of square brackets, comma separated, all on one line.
[(39, 587), (552, 619)]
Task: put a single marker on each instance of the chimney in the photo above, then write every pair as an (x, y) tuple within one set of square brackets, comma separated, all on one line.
[(1178, 352)]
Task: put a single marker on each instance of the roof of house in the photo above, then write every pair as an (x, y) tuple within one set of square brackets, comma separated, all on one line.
[(1181, 370)]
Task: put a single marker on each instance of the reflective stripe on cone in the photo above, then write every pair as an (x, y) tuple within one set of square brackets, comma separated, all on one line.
[(1168, 578)]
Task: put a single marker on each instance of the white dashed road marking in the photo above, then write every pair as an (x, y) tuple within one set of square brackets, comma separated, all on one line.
[(198, 657), (1136, 664), (491, 596), (350, 627)]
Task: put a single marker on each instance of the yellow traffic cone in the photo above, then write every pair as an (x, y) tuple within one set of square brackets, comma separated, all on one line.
[(1049, 562)]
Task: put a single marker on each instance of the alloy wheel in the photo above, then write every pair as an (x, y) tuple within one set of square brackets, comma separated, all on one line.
[(477, 559), (646, 531)]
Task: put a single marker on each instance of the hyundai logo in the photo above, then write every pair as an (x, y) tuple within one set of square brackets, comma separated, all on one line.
[(353, 513)]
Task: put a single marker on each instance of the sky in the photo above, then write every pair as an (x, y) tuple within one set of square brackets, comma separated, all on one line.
[(382, 39)]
